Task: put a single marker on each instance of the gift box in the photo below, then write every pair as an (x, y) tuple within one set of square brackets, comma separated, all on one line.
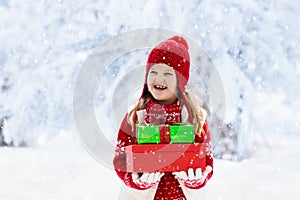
[(182, 133), (148, 134), (165, 157), (165, 134)]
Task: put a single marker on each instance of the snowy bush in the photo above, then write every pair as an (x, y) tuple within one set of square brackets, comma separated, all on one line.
[(254, 45)]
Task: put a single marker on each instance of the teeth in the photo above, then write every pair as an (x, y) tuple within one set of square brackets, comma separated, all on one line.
[(160, 87)]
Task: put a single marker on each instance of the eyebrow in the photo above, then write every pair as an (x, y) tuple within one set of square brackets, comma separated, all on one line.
[(166, 70), (169, 70)]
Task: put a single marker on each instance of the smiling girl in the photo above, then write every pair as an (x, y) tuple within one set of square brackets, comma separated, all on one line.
[(164, 100)]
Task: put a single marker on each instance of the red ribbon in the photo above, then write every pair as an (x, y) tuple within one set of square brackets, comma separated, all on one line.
[(164, 131)]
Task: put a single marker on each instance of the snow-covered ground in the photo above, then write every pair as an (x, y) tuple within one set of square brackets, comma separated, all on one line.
[(59, 172)]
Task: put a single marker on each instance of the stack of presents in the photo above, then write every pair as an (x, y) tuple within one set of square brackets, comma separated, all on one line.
[(165, 148)]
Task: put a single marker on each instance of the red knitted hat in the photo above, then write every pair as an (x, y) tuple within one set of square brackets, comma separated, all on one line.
[(174, 53)]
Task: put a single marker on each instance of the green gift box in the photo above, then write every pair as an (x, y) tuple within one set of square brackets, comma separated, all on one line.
[(166, 134), (182, 133), (148, 134)]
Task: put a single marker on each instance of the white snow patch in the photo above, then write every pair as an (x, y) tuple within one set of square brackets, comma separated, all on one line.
[(59, 172)]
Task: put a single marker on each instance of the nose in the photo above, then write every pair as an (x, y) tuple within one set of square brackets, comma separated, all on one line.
[(160, 78)]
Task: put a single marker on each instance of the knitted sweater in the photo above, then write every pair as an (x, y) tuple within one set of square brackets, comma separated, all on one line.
[(168, 187)]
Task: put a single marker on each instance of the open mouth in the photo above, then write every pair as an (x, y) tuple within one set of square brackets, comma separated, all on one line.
[(160, 87)]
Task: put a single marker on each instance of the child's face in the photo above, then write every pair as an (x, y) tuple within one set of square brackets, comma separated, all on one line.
[(162, 83)]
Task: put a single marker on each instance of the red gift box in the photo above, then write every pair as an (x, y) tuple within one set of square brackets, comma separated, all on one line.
[(165, 157)]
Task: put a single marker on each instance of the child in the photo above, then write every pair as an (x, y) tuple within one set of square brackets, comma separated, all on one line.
[(164, 100)]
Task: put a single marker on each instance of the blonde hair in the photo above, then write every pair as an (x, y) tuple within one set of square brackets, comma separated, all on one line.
[(199, 114), (194, 103)]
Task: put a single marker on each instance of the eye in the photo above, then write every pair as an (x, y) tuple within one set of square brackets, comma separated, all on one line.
[(153, 72), (168, 74)]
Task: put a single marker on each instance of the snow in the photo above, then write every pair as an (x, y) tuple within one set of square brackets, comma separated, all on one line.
[(254, 46), (54, 173), (271, 174), (59, 172)]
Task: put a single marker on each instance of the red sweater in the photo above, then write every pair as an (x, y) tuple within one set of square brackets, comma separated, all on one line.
[(168, 188)]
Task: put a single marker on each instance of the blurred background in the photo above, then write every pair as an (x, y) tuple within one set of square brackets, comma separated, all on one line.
[(254, 45)]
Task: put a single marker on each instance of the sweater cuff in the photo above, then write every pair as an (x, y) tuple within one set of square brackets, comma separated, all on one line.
[(129, 182)]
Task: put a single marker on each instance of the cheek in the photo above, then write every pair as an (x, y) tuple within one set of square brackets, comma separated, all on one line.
[(172, 84), (149, 79)]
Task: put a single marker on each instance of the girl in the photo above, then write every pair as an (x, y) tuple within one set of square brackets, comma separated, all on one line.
[(164, 100)]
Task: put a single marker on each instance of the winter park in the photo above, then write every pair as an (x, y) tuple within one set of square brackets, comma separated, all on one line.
[(71, 70)]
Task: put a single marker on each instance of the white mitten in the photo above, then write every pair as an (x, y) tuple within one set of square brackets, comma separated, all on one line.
[(147, 180), (193, 179)]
